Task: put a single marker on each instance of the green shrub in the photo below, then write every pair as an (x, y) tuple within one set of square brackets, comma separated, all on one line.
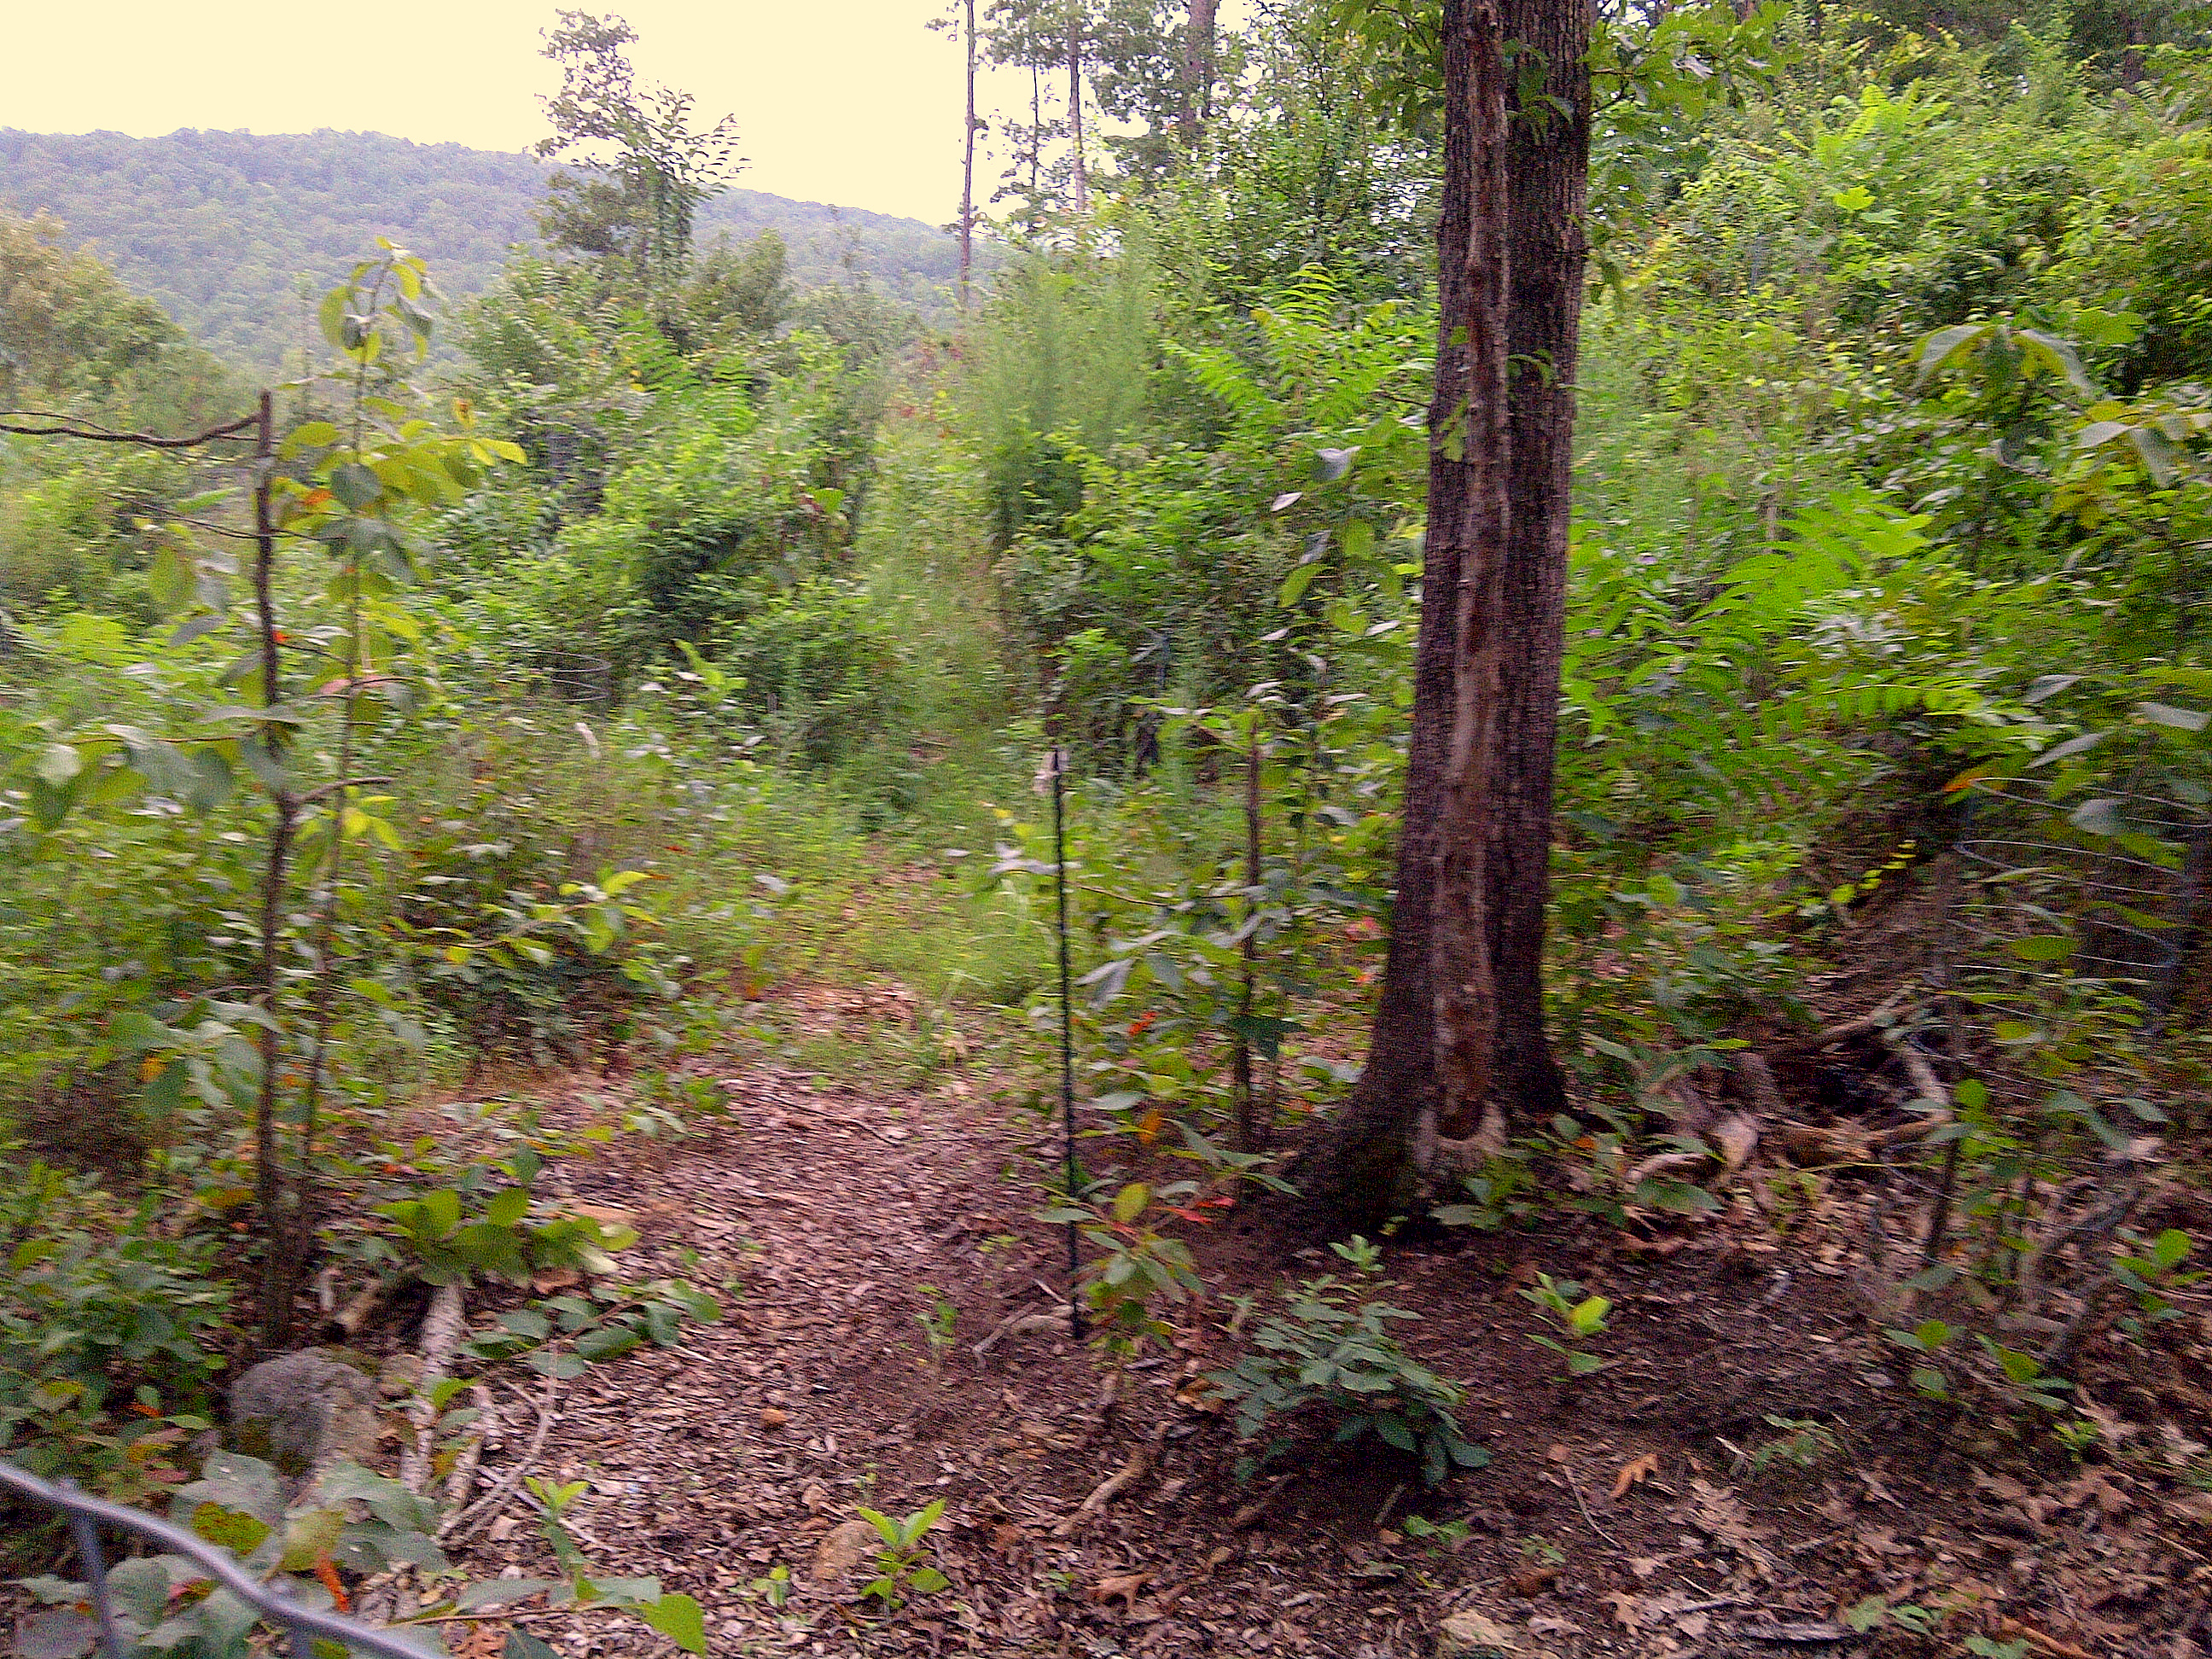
[(1331, 1354), (109, 1333), (822, 669)]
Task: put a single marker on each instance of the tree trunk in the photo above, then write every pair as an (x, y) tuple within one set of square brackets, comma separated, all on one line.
[(967, 172), (1197, 76), (1459, 1031), (1549, 163), (1462, 969), (1366, 1166)]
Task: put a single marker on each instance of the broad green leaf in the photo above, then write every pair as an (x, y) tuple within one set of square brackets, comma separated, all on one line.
[(498, 1592), (1938, 348), (607, 1342), (1295, 584), (59, 762), (507, 1207), (679, 1619)]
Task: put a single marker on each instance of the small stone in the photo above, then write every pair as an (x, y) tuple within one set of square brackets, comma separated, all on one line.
[(1472, 1635), (843, 1548), (313, 1408)]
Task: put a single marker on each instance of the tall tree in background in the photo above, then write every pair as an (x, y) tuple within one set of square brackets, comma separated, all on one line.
[(961, 18), (1200, 47), (1154, 65), (1459, 1043), (1056, 37), (643, 169), (967, 166)]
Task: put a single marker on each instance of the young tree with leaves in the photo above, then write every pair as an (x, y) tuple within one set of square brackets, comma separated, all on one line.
[(643, 169), (1048, 36)]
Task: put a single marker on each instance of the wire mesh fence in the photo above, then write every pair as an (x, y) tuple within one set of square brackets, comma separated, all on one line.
[(2089, 905), (86, 1515)]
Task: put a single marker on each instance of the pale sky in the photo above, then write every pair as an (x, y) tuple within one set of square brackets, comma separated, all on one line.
[(849, 101)]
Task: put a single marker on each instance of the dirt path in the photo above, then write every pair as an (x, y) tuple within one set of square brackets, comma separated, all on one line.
[(1656, 1509)]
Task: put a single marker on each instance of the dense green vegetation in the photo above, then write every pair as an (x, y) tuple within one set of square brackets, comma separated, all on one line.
[(633, 643), (234, 233)]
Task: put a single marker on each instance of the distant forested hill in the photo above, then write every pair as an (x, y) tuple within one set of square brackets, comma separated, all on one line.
[(220, 228)]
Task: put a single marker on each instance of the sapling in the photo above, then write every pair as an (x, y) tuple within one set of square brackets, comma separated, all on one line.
[(936, 1321), (899, 1566), (1578, 1316)]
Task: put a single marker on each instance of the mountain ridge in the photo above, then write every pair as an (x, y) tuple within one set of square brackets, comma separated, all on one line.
[(224, 228)]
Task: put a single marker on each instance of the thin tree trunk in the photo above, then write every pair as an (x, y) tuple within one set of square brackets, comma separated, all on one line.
[(279, 1277), (1364, 1166), (968, 172), (1249, 1133), (1078, 176), (1549, 163), (1461, 964)]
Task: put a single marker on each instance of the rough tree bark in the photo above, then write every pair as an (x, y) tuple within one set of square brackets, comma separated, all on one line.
[(1459, 1043), (1549, 160)]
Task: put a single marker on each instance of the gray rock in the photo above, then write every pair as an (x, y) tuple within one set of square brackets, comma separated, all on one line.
[(312, 1409)]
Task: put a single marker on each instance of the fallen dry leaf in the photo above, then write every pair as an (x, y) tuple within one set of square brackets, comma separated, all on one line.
[(1532, 1582), (1736, 1135), (842, 1549), (1626, 1609), (1125, 1585), (1636, 1469), (773, 1419)]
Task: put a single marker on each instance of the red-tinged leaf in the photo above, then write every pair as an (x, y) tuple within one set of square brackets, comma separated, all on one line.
[(327, 1570)]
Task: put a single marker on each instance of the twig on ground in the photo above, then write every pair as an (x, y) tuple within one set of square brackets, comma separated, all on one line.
[(441, 1330), (464, 1466), (1253, 1512), (478, 1515), (348, 1320), (1024, 1324), (2094, 1223), (1758, 1078), (1115, 1483), (1575, 1486), (1865, 1025)]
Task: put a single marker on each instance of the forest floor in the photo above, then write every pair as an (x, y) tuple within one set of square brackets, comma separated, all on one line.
[(1749, 1467)]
